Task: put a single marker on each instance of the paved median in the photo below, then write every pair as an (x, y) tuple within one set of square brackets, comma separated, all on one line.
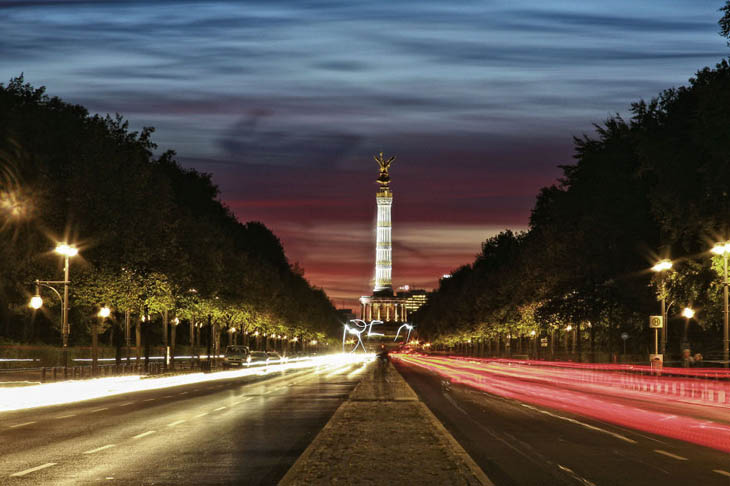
[(383, 434)]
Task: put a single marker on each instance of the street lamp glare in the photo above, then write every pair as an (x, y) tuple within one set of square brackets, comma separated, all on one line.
[(105, 312), (66, 250), (36, 302), (662, 266), (721, 248), (688, 312)]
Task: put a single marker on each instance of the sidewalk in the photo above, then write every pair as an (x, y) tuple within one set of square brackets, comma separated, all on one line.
[(383, 434)]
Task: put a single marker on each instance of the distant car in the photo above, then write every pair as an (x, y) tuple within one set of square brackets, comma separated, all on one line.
[(236, 356), (257, 358), (275, 358)]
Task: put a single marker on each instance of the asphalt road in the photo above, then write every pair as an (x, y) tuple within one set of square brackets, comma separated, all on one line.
[(520, 444), (239, 431)]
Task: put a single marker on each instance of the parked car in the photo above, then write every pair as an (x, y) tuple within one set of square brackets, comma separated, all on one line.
[(236, 356)]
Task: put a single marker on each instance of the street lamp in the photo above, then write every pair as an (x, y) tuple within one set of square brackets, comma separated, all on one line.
[(661, 267), (36, 302), (688, 313), (724, 249), (104, 312)]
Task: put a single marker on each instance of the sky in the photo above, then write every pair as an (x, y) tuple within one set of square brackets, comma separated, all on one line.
[(286, 101)]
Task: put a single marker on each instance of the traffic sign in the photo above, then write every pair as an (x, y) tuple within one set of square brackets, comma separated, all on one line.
[(656, 322)]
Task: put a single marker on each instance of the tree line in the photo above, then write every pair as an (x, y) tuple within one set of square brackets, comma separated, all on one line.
[(639, 190), (156, 243)]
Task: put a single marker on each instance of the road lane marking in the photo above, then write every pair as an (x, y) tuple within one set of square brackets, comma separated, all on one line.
[(125, 404), (177, 422), (94, 451), (99, 410), (66, 416), (575, 476), (669, 454), (219, 408), (183, 393), (583, 424), (22, 425), (33, 469), (148, 400), (720, 471), (167, 396), (201, 415), (144, 434)]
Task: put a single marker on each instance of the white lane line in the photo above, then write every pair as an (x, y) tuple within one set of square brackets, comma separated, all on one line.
[(144, 434), (125, 404), (219, 408), (22, 425), (66, 416), (669, 454), (33, 469), (148, 400), (99, 410), (94, 451), (167, 396), (183, 393), (177, 422), (201, 415), (578, 422), (720, 471)]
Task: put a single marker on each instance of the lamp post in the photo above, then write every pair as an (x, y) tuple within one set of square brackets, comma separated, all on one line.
[(67, 251), (724, 249), (661, 267), (104, 312), (688, 313)]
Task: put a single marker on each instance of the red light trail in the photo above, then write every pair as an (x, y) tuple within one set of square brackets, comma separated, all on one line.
[(682, 407)]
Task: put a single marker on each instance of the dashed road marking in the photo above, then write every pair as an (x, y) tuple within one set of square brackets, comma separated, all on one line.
[(33, 469), (219, 408), (669, 454), (201, 415), (144, 434), (94, 451), (99, 410), (148, 400), (583, 424), (66, 416), (167, 396), (720, 471), (125, 404), (183, 393), (22, 425), (177, 422)]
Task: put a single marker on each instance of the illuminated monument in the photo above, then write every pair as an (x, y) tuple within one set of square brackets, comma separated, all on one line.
[(383, 305), (383, 240)]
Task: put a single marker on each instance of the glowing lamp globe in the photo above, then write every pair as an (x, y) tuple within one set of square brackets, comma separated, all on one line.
[(36, 302)]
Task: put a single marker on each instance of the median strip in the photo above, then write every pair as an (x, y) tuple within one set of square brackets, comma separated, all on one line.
[(33, 469), (353, 443)]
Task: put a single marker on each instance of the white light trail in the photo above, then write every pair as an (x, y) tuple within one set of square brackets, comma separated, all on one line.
[(76, 391)]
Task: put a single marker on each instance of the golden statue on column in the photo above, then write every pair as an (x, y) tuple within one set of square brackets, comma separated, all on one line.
[(383, 177)]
